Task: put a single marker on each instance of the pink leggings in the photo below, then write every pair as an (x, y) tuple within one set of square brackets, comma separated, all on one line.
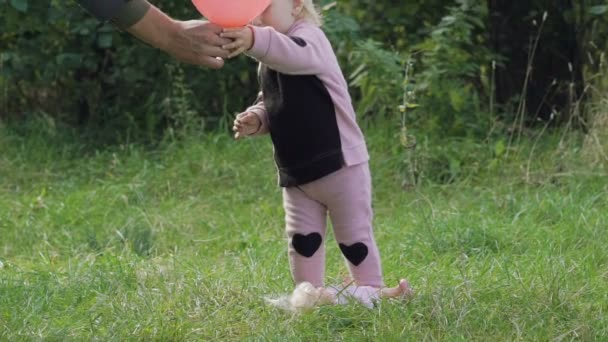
[(346, 196)]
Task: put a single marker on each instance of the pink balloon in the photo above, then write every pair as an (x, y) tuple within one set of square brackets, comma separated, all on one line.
[(231, 13)]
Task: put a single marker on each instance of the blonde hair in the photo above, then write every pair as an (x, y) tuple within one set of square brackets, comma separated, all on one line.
[(310, 13)]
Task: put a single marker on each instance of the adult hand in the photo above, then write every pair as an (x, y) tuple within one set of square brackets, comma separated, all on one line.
[(194, 41), (198, 42)]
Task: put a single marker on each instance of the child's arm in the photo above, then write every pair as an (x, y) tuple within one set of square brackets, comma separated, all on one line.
[(305, 52), (253, 121), (259, 109)]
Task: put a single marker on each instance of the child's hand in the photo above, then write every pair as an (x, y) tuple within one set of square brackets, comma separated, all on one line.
[(246, 124), (242, 40)]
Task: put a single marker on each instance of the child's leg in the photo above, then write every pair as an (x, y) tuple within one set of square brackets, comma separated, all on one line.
[(306, 223), (348, 198)]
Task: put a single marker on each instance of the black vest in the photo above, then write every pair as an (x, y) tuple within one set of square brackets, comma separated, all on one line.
[(303, 127)]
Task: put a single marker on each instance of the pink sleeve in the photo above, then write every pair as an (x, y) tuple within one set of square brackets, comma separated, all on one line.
[(303, 52), (260, 110)]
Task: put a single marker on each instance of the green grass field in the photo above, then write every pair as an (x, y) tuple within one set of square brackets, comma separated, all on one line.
[(184, 241)]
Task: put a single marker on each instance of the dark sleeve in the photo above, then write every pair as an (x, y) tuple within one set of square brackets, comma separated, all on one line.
[(122, 13)]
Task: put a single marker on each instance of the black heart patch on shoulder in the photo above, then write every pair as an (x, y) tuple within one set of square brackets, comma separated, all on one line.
[(301, 42), (355, 253), (306, 245)]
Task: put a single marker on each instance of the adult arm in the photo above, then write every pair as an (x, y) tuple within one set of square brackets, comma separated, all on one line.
[(193, 41)]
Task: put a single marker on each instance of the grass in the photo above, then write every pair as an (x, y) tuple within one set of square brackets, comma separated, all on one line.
[(183, 242)]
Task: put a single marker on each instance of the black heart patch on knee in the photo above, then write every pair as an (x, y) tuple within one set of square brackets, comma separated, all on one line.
[(306, 245), (355, 253)]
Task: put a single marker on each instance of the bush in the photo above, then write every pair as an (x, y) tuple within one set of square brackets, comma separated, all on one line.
[(60, 63), (445, 76), (63, 64), (59, 60), (453, 81)]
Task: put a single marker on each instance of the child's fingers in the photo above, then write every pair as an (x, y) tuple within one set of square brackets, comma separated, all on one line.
[(237, 52), (238, 131), (245, 118), (233, 29), (248, 118), (232, 34), (239, 118), (234, 45)]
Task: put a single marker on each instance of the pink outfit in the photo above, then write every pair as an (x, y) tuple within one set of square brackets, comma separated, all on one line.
[(346, 195), (320, 152), (280, 53)]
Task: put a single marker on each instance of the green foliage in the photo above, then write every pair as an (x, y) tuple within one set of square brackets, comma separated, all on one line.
[(378, 78), (450, 73), (399, 25), (59, 60), (445, 75)]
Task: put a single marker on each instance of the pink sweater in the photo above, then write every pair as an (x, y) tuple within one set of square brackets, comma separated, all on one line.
[(305, 103)]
